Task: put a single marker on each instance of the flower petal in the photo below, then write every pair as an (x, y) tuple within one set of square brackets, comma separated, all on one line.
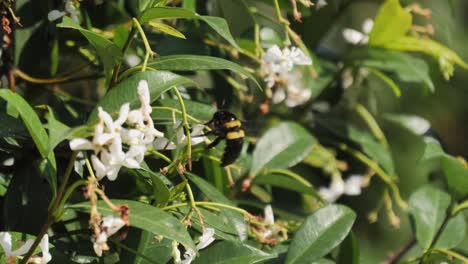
[(269, 216), (80, 144), (206, 238), (353, 36), (55, 14)]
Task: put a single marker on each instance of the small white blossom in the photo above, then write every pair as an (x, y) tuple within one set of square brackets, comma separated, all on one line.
[(351, 186), (269, 217), (110, 225), (132, 60), (205, 240), (416, 124), (6, 244), (356, 37), (46, 256), (196, 137), (133, 130), (321, 4), (279, 68), (70, 9)]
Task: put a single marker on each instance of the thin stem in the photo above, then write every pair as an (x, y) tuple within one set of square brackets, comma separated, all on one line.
[(132, 70), (380, 172), (278, 12), (50, 215), (56, 80), (291, 174), (258, 47), (148, 51), (210, 204), (128, 42), (192, 201), (177, 111), (186, 126), (162, 156), (372, 124), (451, 254), (69, 191), (459, 208), (400, 253)]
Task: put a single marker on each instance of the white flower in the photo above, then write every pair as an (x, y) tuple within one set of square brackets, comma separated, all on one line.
[(132, 60), (205, 240), (5, 242), (293, 93), (110, 225), (416, 124), (351, 186), (269, 217), (276, 61), (321, 4), (356, 37), (70, 9), (46, 256)]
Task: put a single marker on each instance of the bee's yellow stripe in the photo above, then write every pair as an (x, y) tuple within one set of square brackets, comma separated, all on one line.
[(231, 124), (235, 135)]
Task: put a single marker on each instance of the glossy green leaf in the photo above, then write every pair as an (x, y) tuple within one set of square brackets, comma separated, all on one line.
[(407, 68), (428, 207), (156, 251), (187, 62), (236, 219), (283, 181), (165, 28), (391, 22), (281, 147), (218, 24), (126, 91), (149, 218), (37, 132), (160, 191), (108, 52), (320, 233), (454, 233), (456, 174), (349, 250), (231, 252)]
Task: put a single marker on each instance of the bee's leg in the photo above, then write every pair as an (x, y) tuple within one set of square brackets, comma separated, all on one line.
[(214, 143)]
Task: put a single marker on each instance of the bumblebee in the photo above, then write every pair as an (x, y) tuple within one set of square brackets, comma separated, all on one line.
[(225, 125)]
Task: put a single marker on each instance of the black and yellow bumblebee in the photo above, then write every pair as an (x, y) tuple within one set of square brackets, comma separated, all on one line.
[(225, 125)]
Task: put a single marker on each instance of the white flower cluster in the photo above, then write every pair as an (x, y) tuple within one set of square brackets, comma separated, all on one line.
[(205, 240), (5, 242), (70, 10), (196, 137), (278, 67), (111, 136), (110, 225), (351, 186), (355, 37)]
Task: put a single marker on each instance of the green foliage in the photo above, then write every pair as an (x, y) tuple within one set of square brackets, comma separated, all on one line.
[(319, 119)]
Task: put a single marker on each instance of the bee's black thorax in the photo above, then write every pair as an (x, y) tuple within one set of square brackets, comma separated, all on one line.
[(225, 125)]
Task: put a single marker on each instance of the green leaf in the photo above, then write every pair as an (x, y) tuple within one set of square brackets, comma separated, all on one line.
[(161, 192), (433, 149), (126, 91), (236, 219), (281, 147), (428, 207), (200, 111), (366, 140), (156, 251), (231, 252), (320, 233), (444, 55), (167, 29), (187, 62), (37, 132), (108, 52), (59, 132), (454, 233), (149, 218), (407, 68), (391, 22), (349, 250), (387, 80), (456, 174), (283, 181), (30, 120), (218, 24)]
